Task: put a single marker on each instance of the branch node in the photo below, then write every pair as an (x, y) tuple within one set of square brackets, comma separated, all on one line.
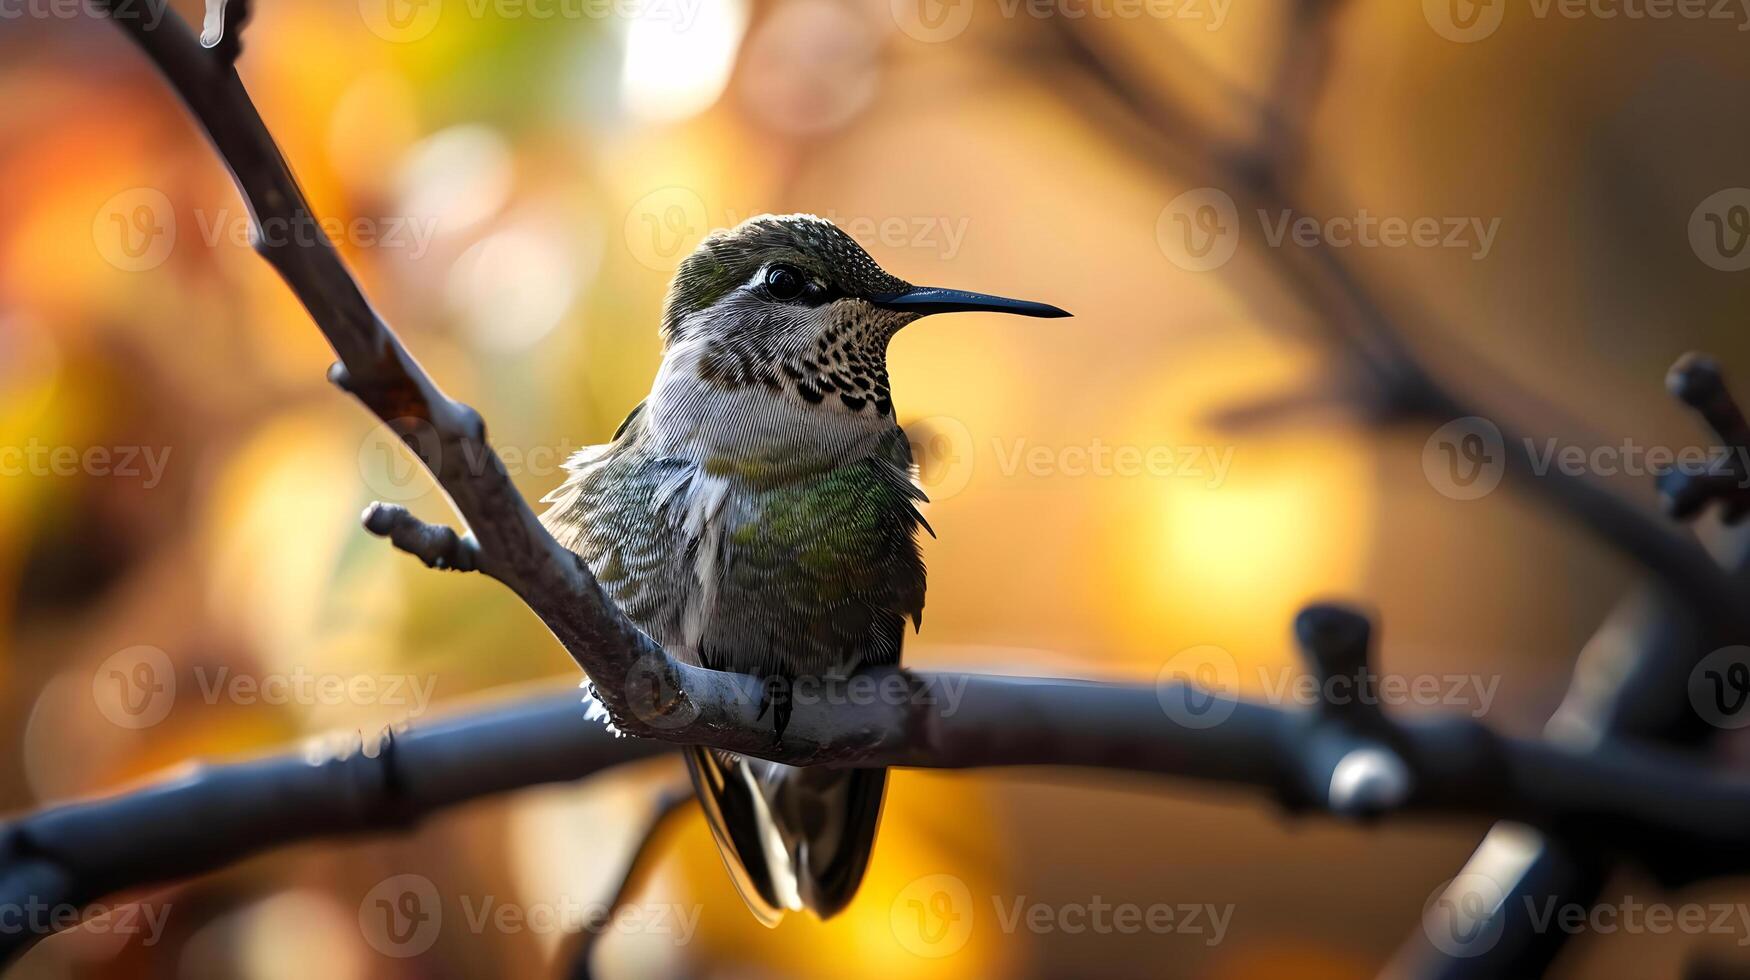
[(1335, 640), (1694, 379), (1724, 478), (213, 27), (436, 545), (469, 422), (1367, 782), (340, 377), (222, 29)]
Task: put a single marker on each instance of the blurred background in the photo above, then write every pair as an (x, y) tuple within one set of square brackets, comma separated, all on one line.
[(1179, 468)]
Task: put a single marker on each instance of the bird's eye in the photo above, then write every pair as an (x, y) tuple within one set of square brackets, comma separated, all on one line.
[(785, 283)]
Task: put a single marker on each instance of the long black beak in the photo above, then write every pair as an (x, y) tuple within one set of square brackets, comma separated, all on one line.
[(924, 300)]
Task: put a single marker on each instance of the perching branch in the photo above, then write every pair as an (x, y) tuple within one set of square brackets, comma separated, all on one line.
[(1346, 757), (68, 856), (648, 692), (1350, 759)]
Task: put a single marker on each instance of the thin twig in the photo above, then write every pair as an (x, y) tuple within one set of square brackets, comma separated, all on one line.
[(1368, 337), (580, 948), (1660, 809), (1641, 692), (1631, 681), (647, 691)]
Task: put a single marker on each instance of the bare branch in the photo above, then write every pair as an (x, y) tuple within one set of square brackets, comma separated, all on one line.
[(1697, 607), (437, 546), (1372, 342), (1725, 479), (1630, 682), (210, 816), (1345, 757), (1663, 810), (647, 691)]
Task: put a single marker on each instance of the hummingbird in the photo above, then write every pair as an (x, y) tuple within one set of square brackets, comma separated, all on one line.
[(758, 512)]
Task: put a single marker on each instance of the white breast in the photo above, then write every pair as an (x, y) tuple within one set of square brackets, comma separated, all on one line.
[(695, 419)]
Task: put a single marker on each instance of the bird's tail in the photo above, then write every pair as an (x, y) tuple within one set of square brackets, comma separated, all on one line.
[(792, 838)]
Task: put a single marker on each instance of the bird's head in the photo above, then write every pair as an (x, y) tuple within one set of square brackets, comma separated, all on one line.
[(792, 304)]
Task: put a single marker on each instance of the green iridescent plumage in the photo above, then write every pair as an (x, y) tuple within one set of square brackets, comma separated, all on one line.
[(727, 258), (758, 513), (812, 575)]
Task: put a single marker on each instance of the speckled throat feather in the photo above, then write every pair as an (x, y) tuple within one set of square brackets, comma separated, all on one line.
[(846, 362)]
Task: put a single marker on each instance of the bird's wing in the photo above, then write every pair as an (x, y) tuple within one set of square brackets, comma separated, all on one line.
[(817, 576), (612, 510)]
